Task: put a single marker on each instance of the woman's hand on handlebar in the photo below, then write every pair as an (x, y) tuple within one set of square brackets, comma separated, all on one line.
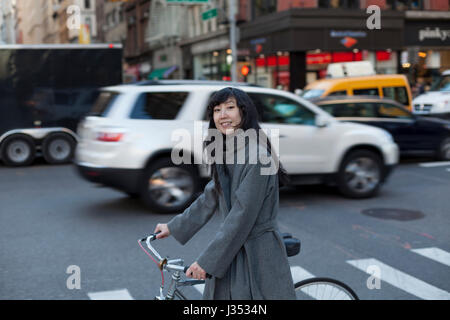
[(196, 272), (163, 231)]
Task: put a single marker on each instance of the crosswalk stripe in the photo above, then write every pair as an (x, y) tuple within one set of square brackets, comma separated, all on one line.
[(298, 274), (434, 164), (402, 280), (121, 294), (435, 254), (200, 287)]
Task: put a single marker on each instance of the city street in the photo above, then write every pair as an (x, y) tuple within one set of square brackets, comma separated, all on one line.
[(51, 219)]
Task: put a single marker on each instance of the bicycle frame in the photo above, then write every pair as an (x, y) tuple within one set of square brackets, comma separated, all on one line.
[(176, 266)]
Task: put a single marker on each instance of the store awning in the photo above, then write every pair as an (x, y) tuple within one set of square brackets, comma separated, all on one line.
[(162, 73)]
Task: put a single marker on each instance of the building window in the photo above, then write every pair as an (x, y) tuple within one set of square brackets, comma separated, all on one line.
[(403, 5), (88, 22), (120, 15), (87, 4), (263, 7), (331, 3)]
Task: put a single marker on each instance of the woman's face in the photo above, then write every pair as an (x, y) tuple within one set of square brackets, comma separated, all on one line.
[(227, 116)]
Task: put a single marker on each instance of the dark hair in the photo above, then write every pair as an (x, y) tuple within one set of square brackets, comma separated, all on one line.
[(249, 120)]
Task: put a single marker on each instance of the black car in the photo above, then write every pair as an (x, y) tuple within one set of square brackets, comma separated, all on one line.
[(415, 135)]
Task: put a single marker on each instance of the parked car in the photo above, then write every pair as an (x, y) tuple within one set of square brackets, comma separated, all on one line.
[(126, 142), (414, 135), (435, 102), (393, 86)]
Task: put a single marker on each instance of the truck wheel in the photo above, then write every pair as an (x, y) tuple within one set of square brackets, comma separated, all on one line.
[(18, 150), (58, 148), (360, 174), (168, 188), (444, 150)]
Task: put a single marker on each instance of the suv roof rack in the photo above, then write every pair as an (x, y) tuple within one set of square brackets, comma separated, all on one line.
[(191, 82)]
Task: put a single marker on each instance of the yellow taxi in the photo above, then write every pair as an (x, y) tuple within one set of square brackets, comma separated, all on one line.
[(392, 86)]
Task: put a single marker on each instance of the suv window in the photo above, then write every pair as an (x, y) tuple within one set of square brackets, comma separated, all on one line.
[(386, 110), (158, 105), (364, 110), (278, 109), (398, 94), (103, 102), (366, 92)]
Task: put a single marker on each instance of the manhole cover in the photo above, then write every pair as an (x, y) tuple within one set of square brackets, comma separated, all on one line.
[(393, 214)]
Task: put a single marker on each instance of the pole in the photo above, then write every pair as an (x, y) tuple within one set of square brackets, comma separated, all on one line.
[(232, 19)]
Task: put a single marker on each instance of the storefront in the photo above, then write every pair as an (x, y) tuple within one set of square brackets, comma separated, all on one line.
[(166, 63), (291, 48), (208, 59), (427, 51)]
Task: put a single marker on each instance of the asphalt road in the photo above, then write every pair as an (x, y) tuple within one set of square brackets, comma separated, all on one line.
[(51, 219)]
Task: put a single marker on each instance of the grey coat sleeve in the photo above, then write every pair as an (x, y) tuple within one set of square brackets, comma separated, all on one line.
[(236, 227), (185, 225)]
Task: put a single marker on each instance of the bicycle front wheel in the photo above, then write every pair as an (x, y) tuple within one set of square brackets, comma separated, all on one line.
[(323, 289)]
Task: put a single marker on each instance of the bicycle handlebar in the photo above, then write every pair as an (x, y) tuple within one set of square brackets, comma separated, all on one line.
[(163, 262)]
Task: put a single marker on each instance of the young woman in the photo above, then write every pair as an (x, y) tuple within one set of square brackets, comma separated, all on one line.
[(247, 257)]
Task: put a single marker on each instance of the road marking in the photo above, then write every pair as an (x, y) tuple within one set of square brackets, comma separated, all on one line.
[(402, 280), (200, 287), (435, 254), (121, 294), (434, 164), (298, 274)]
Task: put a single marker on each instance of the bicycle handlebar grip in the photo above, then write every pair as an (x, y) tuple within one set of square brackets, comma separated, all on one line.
[(187, 267), (151, 236)]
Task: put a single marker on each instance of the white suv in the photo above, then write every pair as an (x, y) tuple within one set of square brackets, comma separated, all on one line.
[(126, 142), (435, 102)]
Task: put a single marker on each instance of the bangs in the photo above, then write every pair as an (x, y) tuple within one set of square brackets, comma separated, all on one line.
[(220, 96)]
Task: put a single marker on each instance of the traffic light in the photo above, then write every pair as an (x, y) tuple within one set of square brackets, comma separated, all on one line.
[(245, 70)]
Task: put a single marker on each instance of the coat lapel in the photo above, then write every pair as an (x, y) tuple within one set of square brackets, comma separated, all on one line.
[(225, 184)]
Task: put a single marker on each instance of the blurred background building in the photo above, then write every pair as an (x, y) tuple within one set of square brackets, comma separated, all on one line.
[(285, 43), (46, 21), (8, 21)]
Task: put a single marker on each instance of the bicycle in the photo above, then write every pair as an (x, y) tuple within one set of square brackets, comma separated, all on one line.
[(316, 288)]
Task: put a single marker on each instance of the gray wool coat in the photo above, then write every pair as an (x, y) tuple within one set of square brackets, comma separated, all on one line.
[(247, 257)]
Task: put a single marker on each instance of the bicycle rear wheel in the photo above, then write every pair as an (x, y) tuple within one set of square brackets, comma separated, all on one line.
[(323, 289)]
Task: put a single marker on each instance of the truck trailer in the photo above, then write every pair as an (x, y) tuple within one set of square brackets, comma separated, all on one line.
[(45, 90)]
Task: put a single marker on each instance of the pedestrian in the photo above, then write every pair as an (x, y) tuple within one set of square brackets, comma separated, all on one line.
[(246, 258)]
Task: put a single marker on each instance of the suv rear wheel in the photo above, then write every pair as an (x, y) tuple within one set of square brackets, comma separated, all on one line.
[(169, 188), (360, 174)]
